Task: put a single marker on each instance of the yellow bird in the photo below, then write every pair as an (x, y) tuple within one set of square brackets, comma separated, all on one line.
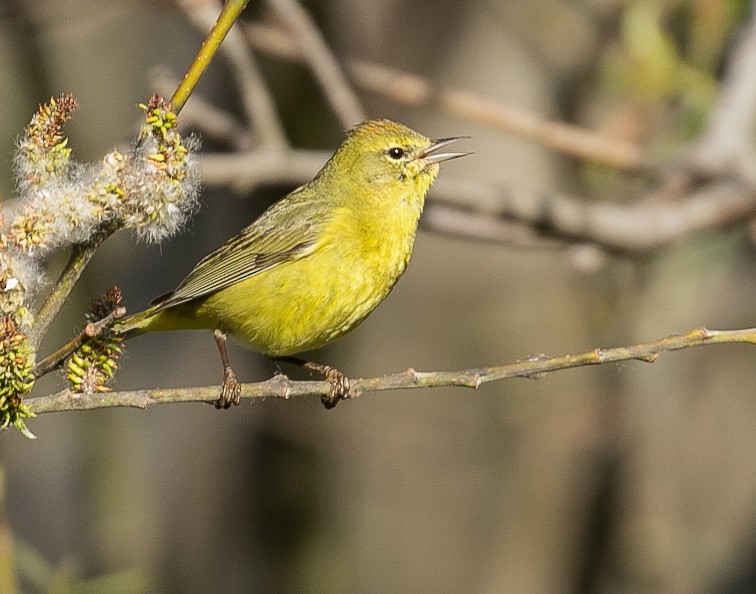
[(317, 262)]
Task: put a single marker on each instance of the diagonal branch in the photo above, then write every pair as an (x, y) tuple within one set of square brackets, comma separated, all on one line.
[(257, 100), (281, 387), (321, 60), (219, 29), (77, 262), (727, 143)]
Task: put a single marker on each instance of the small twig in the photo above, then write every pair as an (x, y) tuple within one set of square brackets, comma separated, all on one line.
[(257, 101), (281, 387), (321, 60), (409, 89), (212, 122), (92, 329)]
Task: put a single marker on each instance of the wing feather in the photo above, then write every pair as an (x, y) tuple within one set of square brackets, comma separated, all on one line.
[(283, 233)]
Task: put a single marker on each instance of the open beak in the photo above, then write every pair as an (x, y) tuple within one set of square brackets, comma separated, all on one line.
[(439, 143)]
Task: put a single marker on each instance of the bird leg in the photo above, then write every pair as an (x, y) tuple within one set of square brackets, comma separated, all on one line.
[(231, 388), (339, 382)]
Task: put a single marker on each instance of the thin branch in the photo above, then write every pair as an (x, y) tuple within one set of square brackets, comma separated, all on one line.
[(281, 387), (91, 330), (77, 261), (325, 68), (244, 171), (257, 101), (212, 122), (638, 227), (409, 89), (220, 28)]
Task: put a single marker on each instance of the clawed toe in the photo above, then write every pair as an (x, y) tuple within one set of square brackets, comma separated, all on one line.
[(339, 387), (230, 390)]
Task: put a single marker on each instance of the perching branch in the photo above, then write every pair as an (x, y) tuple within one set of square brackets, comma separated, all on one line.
[(281, 387), (463, 207)]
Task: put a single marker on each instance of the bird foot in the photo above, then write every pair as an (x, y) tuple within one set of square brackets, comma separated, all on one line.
[(339, 389), (230, 390), (339, 386)]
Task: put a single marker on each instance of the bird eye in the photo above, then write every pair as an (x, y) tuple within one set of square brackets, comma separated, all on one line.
[(396, 152)]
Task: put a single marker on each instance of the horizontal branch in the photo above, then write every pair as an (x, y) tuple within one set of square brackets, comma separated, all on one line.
[(244, 171), (636, 227), (519, 216), (281, 387)]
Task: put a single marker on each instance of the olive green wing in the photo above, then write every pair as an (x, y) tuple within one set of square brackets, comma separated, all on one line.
[(287, 231)]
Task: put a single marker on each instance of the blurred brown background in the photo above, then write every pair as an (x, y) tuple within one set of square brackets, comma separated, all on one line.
[(625, 478)]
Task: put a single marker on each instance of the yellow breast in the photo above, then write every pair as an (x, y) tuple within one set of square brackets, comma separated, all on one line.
[(307, 303)]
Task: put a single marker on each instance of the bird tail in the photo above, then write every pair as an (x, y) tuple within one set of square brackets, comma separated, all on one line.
[(135, 324)]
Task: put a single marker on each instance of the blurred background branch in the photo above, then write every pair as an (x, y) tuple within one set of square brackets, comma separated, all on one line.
[(410, 89), (636, 226)]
